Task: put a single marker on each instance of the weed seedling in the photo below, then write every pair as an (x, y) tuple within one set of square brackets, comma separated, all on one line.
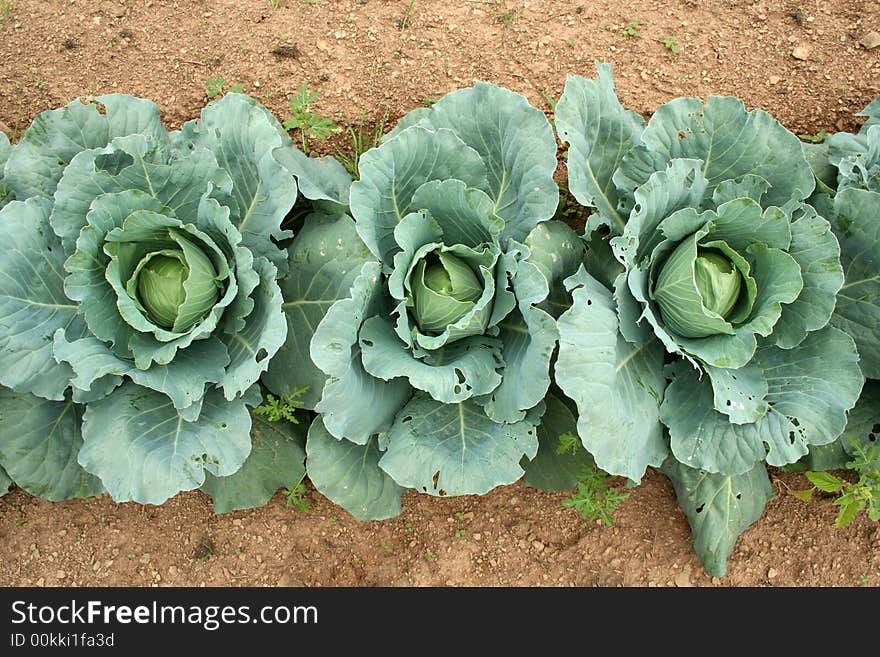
[(594, 498), (309, 124), (671, 44), (507, 15), (818, 138), (631, 30), (402, 23), (359, 142), (461, 533), (282, 408), (863, 495), (296, 496), (5, 10), (214, 86)]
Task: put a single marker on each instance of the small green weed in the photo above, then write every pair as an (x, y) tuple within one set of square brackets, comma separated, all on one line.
[(5, 10), (402, 23), (282, 408), (631, 30), (359, 142), (507, 15), (594, 498), (309, 124), (461, 533), (863, 495), (818, 138), (296, 496), (214, 86), (671, 44)]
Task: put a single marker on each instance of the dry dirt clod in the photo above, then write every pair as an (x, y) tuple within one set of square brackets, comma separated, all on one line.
[(683, 579), (772, 573), (801, 52), (870, 40)]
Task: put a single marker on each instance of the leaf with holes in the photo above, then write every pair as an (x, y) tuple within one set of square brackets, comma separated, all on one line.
[(446, 338), (142, 275), (455, 449), (719, 508), (277, 459)]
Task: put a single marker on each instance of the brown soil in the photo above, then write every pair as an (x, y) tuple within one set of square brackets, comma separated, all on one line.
[(800, 59)]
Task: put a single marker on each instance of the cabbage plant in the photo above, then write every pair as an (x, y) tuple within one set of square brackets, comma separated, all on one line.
[(847, 167), (436, 359), (139, 301), (699, 339)]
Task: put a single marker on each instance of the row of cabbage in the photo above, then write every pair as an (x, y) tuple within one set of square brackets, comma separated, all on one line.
[(719, 313)]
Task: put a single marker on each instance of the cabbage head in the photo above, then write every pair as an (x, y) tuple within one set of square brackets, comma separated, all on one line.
[(700, 335), (437, 360), (139, 302)]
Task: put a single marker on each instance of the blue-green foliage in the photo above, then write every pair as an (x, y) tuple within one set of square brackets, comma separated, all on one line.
[(713, 349), (139, 300), (440, 327)]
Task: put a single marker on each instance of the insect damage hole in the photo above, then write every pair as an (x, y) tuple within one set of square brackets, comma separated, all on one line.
[(435, 480)]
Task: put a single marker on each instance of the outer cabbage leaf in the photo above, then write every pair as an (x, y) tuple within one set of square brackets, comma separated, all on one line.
[(817, 252), (453, 373), (617, 385), (529, 334), (810, 388), (857, 158), (6, 483), (320, 178), (32, 302), (551, 470), (39, 443), (455, 449), (135, 163), (252, 346), (729, 141), (144, 451), (277, 459), (349, 475), (323, 261), (599, 132), (244, 135), (719, 508), (56, 136), (5, 189), (856, 222), (402, 165), (355, 405), (515, 141)]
